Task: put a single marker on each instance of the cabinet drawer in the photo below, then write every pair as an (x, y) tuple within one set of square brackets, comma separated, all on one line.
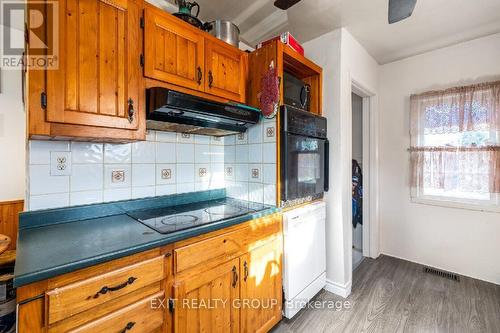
[(137, 317), (225, 246), (83, 295)]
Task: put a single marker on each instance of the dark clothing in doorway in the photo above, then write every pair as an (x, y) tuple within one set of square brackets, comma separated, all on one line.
[(357, 194)]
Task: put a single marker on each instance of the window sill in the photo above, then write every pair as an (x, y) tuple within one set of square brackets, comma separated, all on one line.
[(458, 205)]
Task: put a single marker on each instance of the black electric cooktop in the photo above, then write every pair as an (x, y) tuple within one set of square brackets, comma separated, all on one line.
[(170, 219)]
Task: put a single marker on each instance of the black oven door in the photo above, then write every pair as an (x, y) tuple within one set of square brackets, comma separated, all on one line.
[(305, 167)]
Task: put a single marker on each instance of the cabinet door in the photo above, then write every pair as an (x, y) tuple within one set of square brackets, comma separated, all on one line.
[(173, 50), (204, 302), (97, 81), (225, 68), (261, 286)]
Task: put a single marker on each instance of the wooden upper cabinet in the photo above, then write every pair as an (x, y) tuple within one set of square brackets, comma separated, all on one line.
[(173, 51), (225, 68), (204, 302), (97, 82)]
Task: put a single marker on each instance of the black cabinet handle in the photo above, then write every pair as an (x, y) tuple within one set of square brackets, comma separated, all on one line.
[(131, 111), (245, 268), (200, 74), (105, 289), (128, 327), (210, 79), (235, 277)]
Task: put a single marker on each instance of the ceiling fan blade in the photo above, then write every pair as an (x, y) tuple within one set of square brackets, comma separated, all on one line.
[(285, 4), (400, 9)]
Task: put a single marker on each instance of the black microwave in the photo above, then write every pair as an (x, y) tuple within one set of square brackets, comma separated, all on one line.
[(296, 93)]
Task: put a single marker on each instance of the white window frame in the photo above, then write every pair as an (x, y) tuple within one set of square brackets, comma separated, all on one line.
[(417, 194)]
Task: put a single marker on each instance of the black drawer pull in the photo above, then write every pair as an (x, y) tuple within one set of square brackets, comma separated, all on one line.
[(210, 79), (105, 289), (199, 75), (235, 277), (128, 327), (245, 265)]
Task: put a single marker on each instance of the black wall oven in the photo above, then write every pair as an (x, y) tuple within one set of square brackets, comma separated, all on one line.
[(304, 156)]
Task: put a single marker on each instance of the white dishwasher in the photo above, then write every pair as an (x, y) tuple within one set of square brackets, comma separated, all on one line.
[(304, 257)]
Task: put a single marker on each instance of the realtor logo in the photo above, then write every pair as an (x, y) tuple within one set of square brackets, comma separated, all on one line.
[(30, 34)]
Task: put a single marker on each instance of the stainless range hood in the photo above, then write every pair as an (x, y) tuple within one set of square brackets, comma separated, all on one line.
[(173, 111)]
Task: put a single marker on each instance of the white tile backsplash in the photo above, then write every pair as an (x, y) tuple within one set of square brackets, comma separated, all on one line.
[(241, 172), (41, 182), (185, 173), (255, 153), (202, 173), (269, 153), (250, 163), (201, 139), (86, 177), (166, 163), (269, 174), (185, 138), (166, 189), (165, 152), (166, 136), (255, 192), (241, 154), (229, 154), (143, 152), (202, 153), (87, 152), (39, 151), (186, 187), (269, 131), (117, 176), (117, 153), (185, 152), (166, 174), (117, 194), (255, 133), (46, 201), (255, 173), (85, 197), (143, 175), (143, 192), (217, 154)]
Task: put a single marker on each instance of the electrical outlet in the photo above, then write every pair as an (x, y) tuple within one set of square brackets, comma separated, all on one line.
[(60, 163)]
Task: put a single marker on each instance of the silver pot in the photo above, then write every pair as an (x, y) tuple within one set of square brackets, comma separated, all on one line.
[(224, 30)]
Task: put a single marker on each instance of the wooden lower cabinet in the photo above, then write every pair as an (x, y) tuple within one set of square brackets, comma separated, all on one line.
[(261, 287), (204, 302), (236, 290), (241, 295)]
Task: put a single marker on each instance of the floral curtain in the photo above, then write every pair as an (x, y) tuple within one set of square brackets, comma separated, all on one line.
[(455, 139)]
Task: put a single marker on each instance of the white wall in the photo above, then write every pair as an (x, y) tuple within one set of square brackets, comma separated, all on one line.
[(343, 60), (12, 136), (462, 241)]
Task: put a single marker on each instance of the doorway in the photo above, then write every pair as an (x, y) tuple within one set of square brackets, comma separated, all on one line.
[(367, 236), (357, 171)]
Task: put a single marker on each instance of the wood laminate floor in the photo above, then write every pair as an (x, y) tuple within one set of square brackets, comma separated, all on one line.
[(393, 295)]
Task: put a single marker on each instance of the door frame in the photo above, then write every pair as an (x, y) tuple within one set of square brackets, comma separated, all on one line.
[(370, 170)]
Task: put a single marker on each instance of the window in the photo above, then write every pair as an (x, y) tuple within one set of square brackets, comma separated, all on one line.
[(455, 146)]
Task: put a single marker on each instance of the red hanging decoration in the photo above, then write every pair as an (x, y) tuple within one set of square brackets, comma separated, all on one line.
[(270, 92)]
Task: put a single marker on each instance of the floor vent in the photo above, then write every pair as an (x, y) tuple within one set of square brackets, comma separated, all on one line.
[(443, 274)]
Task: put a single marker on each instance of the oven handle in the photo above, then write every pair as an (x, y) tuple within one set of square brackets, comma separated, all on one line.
[(284, 153), (327, 166)]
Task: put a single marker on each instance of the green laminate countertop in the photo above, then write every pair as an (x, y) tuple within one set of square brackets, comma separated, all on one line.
[(54, 248)]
